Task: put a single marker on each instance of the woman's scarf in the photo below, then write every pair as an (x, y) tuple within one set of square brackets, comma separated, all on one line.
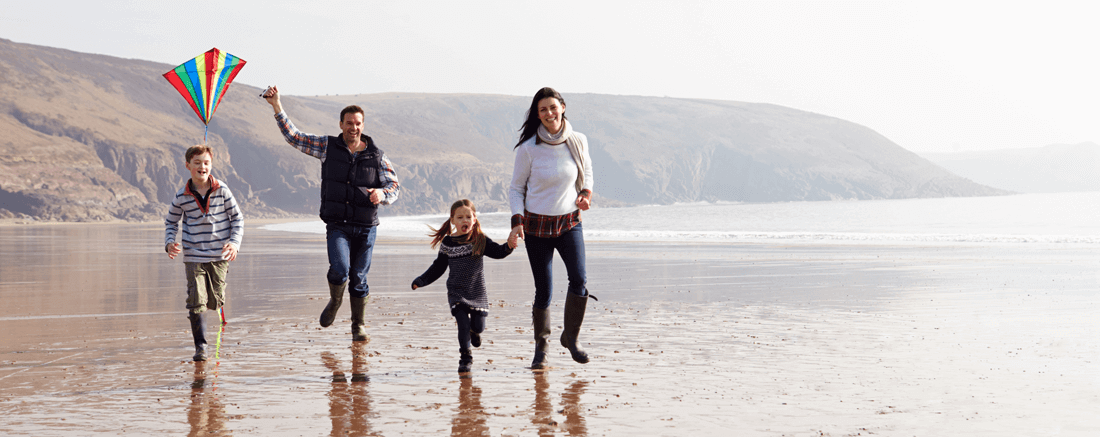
[(566, 135)]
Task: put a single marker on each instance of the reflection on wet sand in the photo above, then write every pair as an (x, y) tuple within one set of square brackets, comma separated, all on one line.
[(571, 408), (349, 403), (543, 408), (470, 418), (206, 413)]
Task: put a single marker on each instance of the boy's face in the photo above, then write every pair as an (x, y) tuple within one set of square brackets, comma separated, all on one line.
[(199, 165)]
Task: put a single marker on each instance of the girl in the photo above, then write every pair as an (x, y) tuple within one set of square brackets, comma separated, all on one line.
[(462, 250)]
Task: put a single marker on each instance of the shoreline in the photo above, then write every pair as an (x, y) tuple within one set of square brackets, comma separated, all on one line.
[(24, 222), (1059, 218), (260, 224)]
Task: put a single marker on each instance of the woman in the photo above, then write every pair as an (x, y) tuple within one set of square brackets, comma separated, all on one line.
[(551, 185)]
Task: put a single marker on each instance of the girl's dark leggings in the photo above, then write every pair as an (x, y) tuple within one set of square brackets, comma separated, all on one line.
[(468, 320)]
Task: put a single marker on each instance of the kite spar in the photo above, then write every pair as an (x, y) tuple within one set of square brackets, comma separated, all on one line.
[(203, 81)]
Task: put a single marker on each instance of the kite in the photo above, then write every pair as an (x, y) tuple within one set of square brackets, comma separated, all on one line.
[(202, 81)]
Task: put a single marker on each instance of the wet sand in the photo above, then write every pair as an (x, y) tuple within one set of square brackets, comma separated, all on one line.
[(730, 339)]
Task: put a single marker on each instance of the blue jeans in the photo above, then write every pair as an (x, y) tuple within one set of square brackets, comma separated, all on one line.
[(349, 253), (540, 252)]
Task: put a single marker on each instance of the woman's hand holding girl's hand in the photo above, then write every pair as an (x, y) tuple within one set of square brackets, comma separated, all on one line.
[(583, 203), (513, 238)]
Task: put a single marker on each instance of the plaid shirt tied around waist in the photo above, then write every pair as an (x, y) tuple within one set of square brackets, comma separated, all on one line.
[(549, 226)]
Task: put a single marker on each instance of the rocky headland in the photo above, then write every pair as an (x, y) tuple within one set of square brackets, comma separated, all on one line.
[(98, 138)]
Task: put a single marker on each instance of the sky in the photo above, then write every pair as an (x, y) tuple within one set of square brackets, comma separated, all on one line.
[(932, 76)]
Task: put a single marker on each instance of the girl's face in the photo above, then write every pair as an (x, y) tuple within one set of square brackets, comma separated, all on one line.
[(550, 111), (463, 219)]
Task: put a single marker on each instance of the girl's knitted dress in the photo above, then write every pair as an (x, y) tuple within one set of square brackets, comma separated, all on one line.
[(466, 283)]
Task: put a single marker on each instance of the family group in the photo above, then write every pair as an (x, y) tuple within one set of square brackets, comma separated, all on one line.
[(551, 184)]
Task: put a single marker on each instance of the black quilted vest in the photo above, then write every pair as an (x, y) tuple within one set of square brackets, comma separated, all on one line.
[(342, 200)]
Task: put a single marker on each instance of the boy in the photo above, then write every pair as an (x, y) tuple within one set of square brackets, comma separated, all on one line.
[(212, 230)]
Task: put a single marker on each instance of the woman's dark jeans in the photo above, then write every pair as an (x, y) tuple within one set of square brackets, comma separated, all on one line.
[(540, 252)]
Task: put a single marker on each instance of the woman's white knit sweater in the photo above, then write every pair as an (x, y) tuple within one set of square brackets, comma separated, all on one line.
[(544, 178)]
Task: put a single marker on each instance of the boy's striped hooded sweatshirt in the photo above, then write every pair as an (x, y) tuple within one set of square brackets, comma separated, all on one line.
[(205, 230)]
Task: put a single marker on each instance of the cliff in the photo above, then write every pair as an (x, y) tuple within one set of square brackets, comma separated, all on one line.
[(95, 138)]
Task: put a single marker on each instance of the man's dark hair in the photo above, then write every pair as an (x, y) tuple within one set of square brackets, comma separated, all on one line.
[(351, 109)]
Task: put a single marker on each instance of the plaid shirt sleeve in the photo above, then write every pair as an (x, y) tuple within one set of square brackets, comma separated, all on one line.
[(390, 187), (312, 145)]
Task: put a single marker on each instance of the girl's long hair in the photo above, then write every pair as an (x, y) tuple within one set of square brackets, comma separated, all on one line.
[(531, 126), (474, 237)]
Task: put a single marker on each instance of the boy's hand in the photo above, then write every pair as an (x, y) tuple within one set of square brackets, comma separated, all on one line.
[(173, 249), (229, 252)]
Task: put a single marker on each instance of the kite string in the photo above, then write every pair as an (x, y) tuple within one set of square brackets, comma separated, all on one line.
[(217, 353), (205, 132), (218, 343)]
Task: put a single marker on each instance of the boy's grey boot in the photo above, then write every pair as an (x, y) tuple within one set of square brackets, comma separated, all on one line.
[(358, 326), (198, 331), (540, 319), (574, 315), (465, 361), (336, 297)]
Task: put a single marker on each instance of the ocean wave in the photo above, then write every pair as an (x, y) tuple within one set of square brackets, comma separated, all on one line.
[(834, 237), (1057, 218), (417, 227)]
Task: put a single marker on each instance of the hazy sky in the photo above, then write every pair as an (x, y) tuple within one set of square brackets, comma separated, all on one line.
[(932, 76)]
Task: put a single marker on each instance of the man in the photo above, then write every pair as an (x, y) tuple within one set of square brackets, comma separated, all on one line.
[(356, 177)]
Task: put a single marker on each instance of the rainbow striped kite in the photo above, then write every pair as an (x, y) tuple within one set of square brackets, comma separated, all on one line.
[(203, 81)]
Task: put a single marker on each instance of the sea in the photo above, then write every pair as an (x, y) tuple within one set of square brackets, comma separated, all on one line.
[(1054, 218)]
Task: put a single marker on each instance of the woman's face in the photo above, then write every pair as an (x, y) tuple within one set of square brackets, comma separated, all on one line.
[(550, 111)]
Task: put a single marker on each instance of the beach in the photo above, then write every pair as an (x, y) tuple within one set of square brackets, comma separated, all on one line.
[(731, 338)]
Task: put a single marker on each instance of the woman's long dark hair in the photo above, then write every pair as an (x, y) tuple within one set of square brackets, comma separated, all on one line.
[(474, 237), (531, 126)]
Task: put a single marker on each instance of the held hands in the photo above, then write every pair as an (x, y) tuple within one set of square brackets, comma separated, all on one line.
[(173, 249), (229, 252), (515, 236)]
